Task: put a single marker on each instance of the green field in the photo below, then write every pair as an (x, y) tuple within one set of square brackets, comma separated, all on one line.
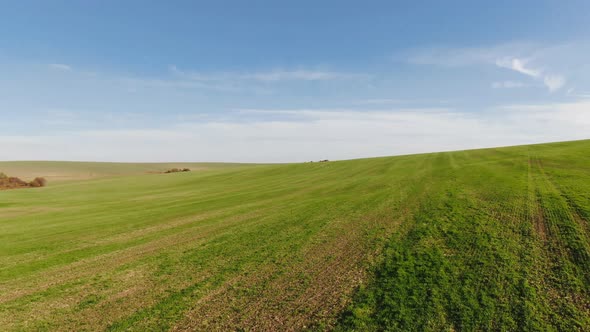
[(492, 239)]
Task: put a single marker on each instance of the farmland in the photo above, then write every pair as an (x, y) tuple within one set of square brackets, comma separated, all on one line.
[(491, 239)]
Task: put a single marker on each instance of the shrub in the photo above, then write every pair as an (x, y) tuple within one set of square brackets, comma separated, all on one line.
[(175, 170), (38, 182), (12, 182)]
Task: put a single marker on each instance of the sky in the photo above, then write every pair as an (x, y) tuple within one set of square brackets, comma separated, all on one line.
[(288, 81)]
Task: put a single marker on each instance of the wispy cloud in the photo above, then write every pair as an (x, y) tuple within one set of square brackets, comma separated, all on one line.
[(382, 101), (135, 83), (398, 102), (467, 56), (523, 58), (305, 75), (60, 66), (508, 85), (274, 75), (518, 65), (554, 82)]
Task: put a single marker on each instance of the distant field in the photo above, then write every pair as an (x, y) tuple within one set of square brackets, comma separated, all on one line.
[(67, 171), (492, 239)]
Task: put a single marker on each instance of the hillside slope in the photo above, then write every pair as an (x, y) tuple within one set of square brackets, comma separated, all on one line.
[(500, 241), (482, 239)]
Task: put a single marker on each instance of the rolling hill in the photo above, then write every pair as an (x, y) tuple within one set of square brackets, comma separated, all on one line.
[(491, 239)]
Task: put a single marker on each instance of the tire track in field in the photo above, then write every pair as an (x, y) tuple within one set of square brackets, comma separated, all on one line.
[(315, 290), (572, 234), (135, 285), (534, 204), (560, 275), (312, 291)]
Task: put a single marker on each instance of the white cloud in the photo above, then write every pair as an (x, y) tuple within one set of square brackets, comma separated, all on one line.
[(524, 58), (508, 85), (392, 101), (135, 83), (305, 75), (518, 65), (60, 66), (552, 82), (311, 134), (467, 56), (382, 101), (274, 75)]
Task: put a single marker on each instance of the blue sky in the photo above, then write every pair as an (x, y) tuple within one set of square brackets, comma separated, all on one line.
[(278, 81)]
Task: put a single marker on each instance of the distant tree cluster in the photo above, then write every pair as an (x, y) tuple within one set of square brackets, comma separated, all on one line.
[(176, 170), (11, 182)]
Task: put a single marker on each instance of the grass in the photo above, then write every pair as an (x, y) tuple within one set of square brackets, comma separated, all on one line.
[(493, 239)]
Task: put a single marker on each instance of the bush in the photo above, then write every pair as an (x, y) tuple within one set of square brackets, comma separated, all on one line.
[(176, 170), (12, 182), (38, 182)]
